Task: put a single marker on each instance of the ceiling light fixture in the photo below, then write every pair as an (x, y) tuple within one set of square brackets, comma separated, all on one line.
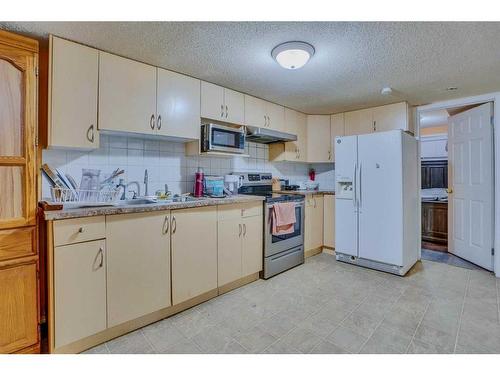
[(292, 55)]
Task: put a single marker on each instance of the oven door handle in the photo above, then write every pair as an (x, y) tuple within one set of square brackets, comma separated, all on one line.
[(301, 204)]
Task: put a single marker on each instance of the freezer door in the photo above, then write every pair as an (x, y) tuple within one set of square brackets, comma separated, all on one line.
[(380, 200), (346, 227), (345, 157)]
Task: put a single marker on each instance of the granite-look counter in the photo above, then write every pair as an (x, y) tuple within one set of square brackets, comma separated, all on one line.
[(306, 192), (71, 213)]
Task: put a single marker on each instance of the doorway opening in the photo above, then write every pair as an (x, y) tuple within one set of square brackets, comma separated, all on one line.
[(456, 149)]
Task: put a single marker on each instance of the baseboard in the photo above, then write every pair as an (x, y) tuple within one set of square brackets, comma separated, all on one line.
[(238, 283), (312, 252)]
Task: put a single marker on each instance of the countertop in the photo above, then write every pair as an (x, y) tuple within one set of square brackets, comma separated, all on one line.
[(306, 192), (70, 213)]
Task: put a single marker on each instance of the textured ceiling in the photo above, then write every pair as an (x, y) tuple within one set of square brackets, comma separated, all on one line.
[(353, 60)]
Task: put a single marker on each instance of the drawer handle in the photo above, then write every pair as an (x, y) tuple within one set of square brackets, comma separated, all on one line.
[(81, 230)]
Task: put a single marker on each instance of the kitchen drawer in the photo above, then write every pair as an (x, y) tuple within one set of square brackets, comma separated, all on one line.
[(251, 209), (239, 210), (79, 230), (15, 243)]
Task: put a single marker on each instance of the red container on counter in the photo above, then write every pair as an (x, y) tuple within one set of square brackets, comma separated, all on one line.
[(198, 183)]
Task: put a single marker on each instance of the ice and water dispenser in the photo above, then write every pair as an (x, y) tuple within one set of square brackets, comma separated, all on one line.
[(344, 188)]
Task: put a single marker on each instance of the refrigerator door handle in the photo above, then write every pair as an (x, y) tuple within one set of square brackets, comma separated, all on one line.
[(354, 196), (360, 186)]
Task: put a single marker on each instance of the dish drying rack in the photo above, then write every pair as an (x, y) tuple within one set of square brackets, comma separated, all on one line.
[(85, 198)]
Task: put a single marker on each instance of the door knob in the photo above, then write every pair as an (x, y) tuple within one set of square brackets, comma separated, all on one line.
[(449, 191)]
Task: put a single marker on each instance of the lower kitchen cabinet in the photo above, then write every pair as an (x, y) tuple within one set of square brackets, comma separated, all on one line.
[(329, 220), (79, 290), (138, 247), (435, 222), (239, 251), (313, 236), (18, 308), (252, 248), (194, 252)]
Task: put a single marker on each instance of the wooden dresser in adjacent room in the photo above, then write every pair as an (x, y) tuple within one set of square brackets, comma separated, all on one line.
[(19, 316)]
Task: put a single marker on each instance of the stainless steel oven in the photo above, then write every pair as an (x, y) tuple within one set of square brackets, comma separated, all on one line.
[(276, 244), (222, 138)]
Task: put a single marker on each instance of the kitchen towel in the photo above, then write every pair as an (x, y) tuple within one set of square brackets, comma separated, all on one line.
[(283, 218)]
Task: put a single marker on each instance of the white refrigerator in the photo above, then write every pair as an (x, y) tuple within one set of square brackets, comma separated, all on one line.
[(377, 201)]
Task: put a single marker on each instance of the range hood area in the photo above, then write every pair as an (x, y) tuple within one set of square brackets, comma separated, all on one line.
[(261, 135)]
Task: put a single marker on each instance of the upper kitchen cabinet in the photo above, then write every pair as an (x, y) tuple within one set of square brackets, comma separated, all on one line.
[(319, 148), (127, 95), (221, 104), (263, 114), (178, 105), (295, 123), (73, 89), (358, 122), (337, 129), (390, 117), (377, 119), (275, 116)]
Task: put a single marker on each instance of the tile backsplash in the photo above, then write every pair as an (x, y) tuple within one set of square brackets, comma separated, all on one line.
[(167, 164)]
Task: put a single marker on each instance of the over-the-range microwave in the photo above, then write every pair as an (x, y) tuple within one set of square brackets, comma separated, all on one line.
[(222, 138)]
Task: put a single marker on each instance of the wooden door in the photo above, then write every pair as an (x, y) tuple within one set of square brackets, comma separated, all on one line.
[(390, 117), (138, 277), (229, 238), (435, 222), (18, 308), (329, 220), (337, 129), (80, 291), (194, 252), (318, 139), (212, 101), (73, 89), (291, 149), (255, 112), (178, 105), (470, 214), (234, 106), (359, 122), (275, 116), (301, 137), (252, 249), (127, 95), (18, 99)]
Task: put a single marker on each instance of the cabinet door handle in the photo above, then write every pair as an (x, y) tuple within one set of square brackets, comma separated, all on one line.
[(239, 226), (101, 253), (81, 230), (221, 110), (314, 199), (244, 230), (166, 225), (226, 111), (159, 122), (374, 126), (152, 122), (90, 133), (174, 225), (265, 121)]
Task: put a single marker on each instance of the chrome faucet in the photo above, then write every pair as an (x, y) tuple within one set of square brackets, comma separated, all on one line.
[(138, 194), (146, 182)]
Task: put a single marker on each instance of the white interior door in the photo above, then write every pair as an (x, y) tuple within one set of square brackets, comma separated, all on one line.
[(470, 176)]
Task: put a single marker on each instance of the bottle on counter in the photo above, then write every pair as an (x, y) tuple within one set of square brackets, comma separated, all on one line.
[(198, 183)]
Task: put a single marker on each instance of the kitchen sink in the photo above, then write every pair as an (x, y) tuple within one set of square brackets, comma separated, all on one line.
[(133, 202)]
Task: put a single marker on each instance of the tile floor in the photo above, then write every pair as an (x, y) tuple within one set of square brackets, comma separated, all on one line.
[(325, 306)]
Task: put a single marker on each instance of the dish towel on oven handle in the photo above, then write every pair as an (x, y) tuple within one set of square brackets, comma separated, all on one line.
[(283, 218)]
